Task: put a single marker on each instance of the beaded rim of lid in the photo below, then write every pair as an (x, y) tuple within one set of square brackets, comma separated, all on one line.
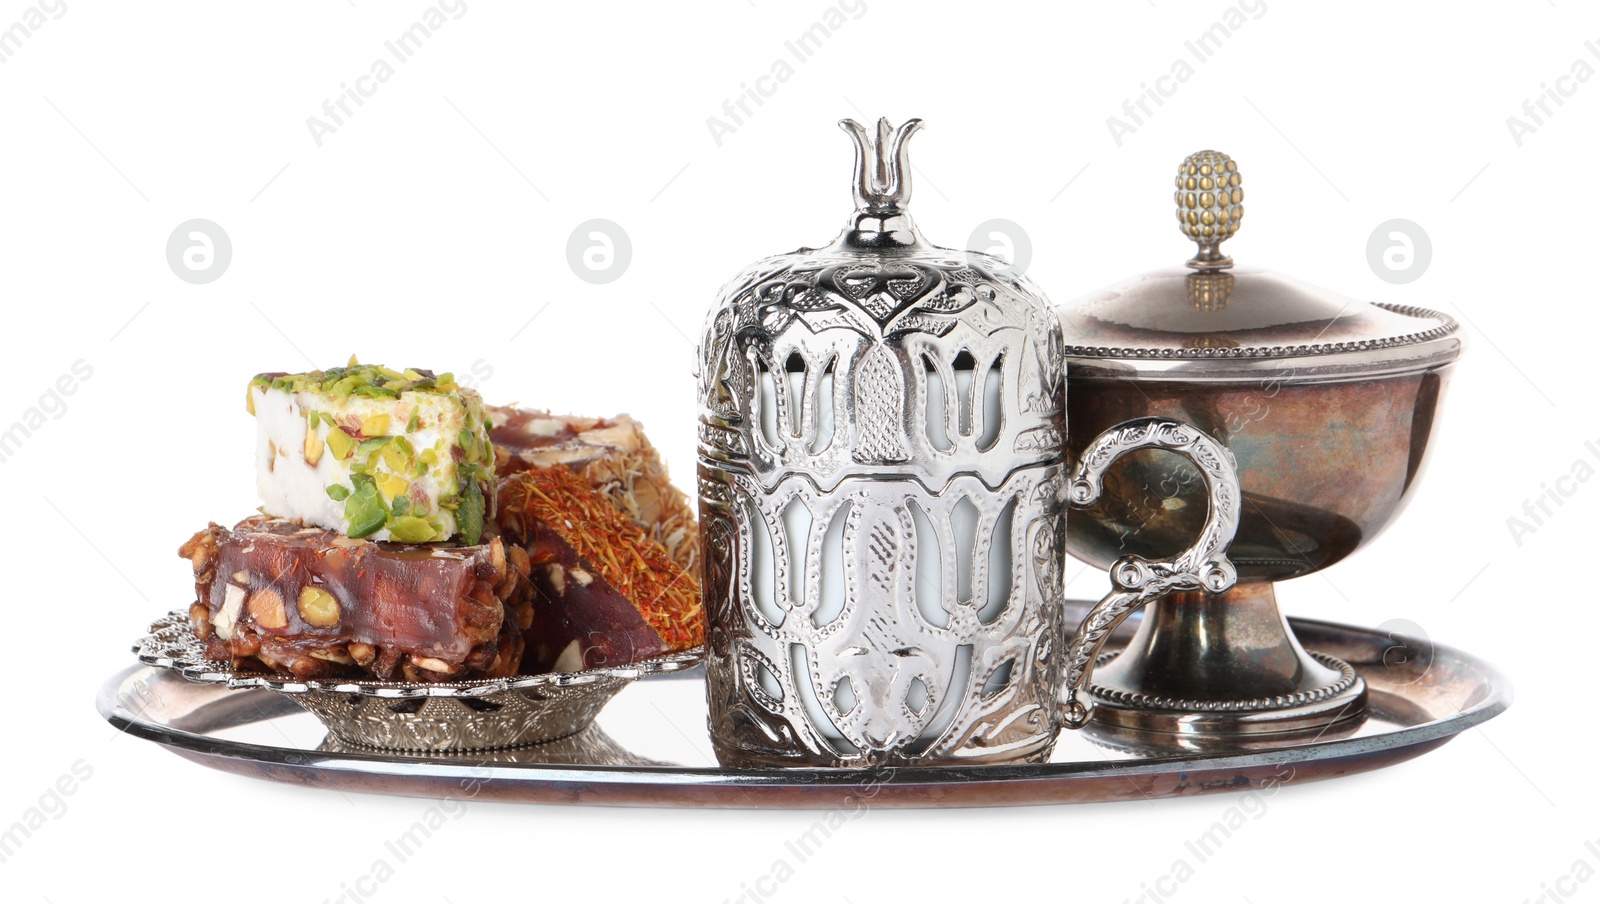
[(1209, 205), (1446, 326)]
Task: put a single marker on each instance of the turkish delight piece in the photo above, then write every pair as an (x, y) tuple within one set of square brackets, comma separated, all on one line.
[(374, 453), (605, 593), (614, 456), (314, 603)]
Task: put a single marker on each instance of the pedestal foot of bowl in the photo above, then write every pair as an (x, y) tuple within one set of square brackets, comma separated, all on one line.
[(1223, 665)]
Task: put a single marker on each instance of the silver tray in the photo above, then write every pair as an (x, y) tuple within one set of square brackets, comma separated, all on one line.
[(649, 747)]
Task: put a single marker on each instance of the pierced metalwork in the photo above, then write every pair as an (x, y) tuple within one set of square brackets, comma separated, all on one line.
[(881, 434), (401, 716)]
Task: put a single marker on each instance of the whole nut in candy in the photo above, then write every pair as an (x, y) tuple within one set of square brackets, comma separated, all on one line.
[(266, 609), (318, 607), (497, 556), (313, 446), (519, 560), (362, 653), (506, 583), (201, 550), (200, 620), (523, 612)]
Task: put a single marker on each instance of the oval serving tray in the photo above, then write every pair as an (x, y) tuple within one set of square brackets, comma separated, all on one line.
[(1421, 695)]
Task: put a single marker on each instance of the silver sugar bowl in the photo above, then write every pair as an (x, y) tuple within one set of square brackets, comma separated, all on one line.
[(1328, 404), (883, 495)]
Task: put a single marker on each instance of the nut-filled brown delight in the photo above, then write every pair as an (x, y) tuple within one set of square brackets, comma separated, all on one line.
[(616, 459), (317, 604), (605, 593)]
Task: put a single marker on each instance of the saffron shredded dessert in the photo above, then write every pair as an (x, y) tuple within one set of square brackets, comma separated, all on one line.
[(604, 592), (314, 603), (614, 456), (374, 453)]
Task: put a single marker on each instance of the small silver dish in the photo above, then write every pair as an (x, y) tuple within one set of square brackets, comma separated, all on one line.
[(457, 716)]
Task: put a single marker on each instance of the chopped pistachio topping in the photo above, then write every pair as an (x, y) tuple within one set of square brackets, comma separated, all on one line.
[(360, 381), (469, 514), (340, 443), (391, 487), (364, 509), (409, 529), (388, 454)]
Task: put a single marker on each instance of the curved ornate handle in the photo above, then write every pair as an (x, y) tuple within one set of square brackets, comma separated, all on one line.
[(1203, 566)]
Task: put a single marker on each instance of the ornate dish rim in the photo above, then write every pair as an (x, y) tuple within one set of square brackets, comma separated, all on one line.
[(210, 671)]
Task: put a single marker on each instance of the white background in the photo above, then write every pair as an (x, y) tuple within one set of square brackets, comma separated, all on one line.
[(433, 224)]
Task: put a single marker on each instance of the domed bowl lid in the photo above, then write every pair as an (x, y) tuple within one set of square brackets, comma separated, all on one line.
[(1210, 321)]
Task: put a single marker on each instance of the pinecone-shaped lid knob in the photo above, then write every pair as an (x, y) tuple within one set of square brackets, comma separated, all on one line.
[(1210, 205)]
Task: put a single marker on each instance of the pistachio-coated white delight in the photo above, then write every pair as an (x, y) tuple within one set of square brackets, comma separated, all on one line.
[(373, 452)]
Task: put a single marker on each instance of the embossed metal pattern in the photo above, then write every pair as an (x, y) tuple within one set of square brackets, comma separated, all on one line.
[(986, 670), (883, 335), (1202, 566), (402, 716), (880, 443)]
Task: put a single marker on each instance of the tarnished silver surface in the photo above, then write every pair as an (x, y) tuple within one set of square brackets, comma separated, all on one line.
[(649, 748), (1204, 566), (448, 716), (1223, 664), (1239, 324), (1326, 402), (1247, 325), (880, 447)]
